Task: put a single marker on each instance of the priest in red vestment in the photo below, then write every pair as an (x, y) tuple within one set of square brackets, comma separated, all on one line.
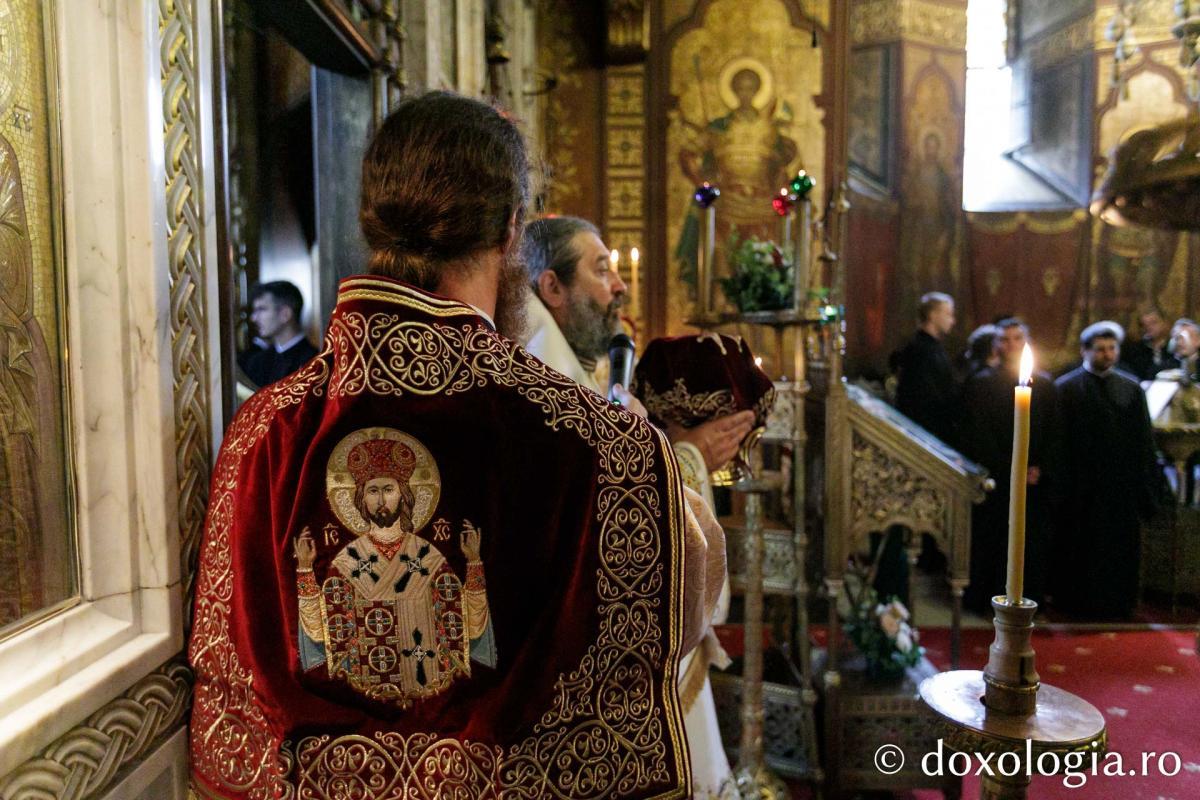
[(432, 565)]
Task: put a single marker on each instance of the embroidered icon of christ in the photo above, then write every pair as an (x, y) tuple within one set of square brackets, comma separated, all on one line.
[(391, 617)]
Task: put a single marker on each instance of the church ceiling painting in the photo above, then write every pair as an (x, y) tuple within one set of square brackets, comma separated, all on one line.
[(743, 115), (36, 554)]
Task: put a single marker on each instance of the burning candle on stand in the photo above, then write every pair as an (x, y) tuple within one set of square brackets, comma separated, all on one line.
[(1019, 480), (635, 257), (784, 207)]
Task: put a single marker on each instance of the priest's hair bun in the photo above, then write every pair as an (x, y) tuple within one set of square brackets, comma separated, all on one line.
[(442, 178)]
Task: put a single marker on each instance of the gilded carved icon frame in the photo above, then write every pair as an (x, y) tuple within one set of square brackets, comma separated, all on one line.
[(35, 306)]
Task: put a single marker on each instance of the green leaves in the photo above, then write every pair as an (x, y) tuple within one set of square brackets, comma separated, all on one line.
[(882, 634), (762, 275)]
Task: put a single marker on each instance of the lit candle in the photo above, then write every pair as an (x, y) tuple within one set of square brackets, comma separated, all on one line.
[(787, 218), (614, 258), (634, 257), (1018, 482)]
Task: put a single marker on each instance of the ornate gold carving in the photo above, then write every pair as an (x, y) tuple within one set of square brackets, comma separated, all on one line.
[(624, 198), (626, 94), (84, 761), (625, 126), (630, 749), (1155, 18), (885, 492), (624, 147), (924, 21), (188, 283)]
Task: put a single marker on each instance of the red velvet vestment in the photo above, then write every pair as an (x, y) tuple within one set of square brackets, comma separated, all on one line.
[(396, 665)]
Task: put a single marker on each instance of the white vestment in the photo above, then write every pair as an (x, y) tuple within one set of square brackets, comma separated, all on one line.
[(546, 342), (710, 766)]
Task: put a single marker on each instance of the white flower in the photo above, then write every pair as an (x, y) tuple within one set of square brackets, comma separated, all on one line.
[(903, 642), (890, 625), (897, 608)]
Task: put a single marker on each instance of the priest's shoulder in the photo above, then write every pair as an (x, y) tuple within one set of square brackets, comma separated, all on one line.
[(286, 396), (1127, 376), (1072, 377)]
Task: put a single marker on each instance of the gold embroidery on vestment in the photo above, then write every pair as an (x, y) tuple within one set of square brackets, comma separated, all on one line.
[(631, 746)]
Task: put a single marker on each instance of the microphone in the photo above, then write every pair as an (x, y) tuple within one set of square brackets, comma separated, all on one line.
[(620, 364)]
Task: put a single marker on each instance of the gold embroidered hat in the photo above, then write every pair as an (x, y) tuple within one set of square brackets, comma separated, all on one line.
[(687, 380)]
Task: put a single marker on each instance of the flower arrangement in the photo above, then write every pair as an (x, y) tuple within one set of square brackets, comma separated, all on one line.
[(882, 634), (761, 275)]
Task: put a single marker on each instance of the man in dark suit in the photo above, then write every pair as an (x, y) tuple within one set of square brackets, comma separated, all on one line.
[(275, 312), (1108, 475), (926, 392)]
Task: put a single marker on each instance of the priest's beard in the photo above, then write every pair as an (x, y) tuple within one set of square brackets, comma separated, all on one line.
[(591, 326), (511, 297)]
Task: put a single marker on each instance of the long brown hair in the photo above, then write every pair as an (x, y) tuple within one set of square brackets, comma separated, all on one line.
[(441, 180)]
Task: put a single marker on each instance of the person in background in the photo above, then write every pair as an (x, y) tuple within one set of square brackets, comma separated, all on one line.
[(275, 313), (1185, 345), (575, 307), (979, 354), (926, 391), (1151, 354), (1108, 475), (986, 438), (574, 311)]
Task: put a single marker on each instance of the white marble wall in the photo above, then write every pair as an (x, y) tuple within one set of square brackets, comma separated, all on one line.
[(129, 622)]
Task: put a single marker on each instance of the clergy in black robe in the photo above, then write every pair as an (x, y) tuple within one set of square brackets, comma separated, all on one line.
[(986, 438), (926, 392), (1107, 479)]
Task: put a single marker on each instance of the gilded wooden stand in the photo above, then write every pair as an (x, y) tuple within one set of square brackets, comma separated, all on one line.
[(1006, 708)]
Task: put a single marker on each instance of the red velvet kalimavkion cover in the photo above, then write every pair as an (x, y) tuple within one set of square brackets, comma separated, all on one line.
[(434, 567)]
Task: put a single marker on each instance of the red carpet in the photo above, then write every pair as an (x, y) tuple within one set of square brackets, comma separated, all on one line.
[(1147, 685)]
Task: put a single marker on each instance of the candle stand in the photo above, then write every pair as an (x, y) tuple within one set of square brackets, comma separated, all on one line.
[(772, 562), (1006, 709), (752, 778)]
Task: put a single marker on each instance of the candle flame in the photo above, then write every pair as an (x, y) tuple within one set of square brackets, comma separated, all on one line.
[(614, 256), (758, 361), (1026, 372), (634, 255)]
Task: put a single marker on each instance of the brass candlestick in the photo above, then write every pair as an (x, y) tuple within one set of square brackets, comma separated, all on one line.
[(1006, 708), (752, 778), (706, 247)]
